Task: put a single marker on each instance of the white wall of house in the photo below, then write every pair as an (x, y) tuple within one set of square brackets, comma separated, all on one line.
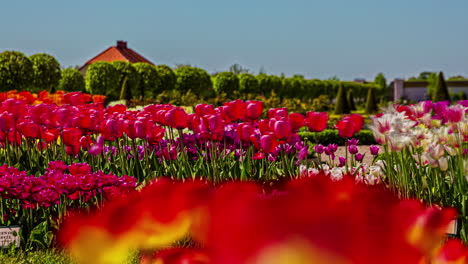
[(418, 91)]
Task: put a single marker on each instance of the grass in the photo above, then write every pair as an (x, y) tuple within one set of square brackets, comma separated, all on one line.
[(44, 257)]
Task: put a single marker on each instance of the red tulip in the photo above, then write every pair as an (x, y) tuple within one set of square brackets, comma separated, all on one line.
[(282, 129), (118, 108), (358, 121), (214, 123), (264, 125), (346, 128), (268, 143), (75, 98), (71, 136), (83, 121), (36, 111), (278, 112), (49, 135), (316, 122), (253, 110), (245, 130), (204, 109), (129, 128), (86, 142), (155, 134), (112, 128), (176, 118), (41, 145), (235, 110), (72, 150), (7, 122), (140, 128), (296, 120), (29, 129)]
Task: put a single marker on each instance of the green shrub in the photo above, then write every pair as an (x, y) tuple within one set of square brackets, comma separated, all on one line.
[(371, 104), (194, 79), (167, 77), (71, 81), (352, 105), (441, 92), (226, 82), (16, 71), (102, 78), (128, 79), (248, 83), (341, 104), (46, 72), (330, 136), (150, 81), (292, 87), (269, 83)]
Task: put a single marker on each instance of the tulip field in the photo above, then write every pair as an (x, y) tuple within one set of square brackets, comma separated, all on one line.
[(233, 183)]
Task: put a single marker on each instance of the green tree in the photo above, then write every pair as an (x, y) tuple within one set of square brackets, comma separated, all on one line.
[(129, 79), (226, 82), (46, 72), (440, 92), (238, 69), (72, 81), (371, 104), (381, 81), (194, 79), (341, 104), (269, 83), (351, 104), (16, 71), (248, 83), (292, 87), (167, 77), (102, 78), (150, 81)]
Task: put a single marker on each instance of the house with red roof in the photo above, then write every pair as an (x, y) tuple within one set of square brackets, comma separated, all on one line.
[(120, 52)]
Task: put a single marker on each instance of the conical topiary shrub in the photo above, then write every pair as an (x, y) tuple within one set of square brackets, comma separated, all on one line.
[(441, 92), (371, 104), (351, 104), (341, 104)]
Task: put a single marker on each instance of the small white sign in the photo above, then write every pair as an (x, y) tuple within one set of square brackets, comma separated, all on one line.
[(9, 235)]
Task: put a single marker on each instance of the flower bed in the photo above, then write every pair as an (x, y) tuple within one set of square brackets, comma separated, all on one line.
[(38, 203)]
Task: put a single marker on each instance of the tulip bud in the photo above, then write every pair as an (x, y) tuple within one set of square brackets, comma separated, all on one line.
[(353, 149), (443, 164), (374, 150)]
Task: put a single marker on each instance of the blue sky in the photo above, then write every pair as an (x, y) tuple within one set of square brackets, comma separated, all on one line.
[(318, 39)]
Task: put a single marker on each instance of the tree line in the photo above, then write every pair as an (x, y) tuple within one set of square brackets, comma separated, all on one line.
[(124, 80)]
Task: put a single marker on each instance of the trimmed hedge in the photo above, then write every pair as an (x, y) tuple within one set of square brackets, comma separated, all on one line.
[(226, 82), (167, 78), (103, 78), (149, 86), (16, 71), (192, 78), (129, 77), (330, 136), (72, 81), (46, 72), (248, 83)]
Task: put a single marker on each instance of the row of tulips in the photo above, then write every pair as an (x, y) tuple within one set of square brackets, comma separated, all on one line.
[(306, 220), (230, 141), (37, 203), (425, 153), (58, 98)]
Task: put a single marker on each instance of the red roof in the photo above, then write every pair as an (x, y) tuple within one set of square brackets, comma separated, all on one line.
[(120, 52)]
